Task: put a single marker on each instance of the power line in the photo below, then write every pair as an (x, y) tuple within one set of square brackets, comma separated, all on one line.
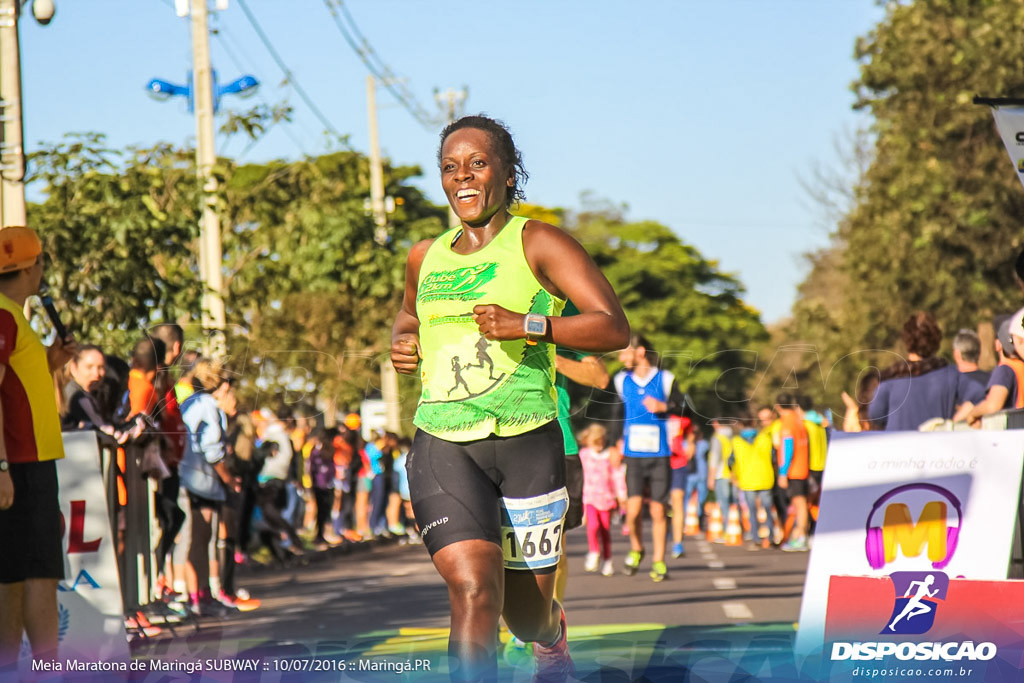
[(366, 53), (290, 77), (223, 37), (219, 35)]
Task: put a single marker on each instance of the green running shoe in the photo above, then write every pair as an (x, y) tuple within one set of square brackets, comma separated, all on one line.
[(632, 562), (517, 653), (659, 572)]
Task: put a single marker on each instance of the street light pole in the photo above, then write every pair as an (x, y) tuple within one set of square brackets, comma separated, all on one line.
[(12, 151), (210, 254), (451, 102), (388, 376), (380, 217)]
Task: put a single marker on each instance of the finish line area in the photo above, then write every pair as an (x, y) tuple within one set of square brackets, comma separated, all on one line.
[(600, 652)]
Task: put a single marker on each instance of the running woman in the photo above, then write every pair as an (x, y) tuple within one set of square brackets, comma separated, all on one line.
[(486, 469)]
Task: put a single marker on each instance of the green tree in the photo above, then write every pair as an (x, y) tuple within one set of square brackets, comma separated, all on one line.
[(692, 312), (309, 295), (934, 222), (315, 295), (120, 228)]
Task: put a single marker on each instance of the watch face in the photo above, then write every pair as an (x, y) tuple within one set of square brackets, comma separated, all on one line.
[(535, 326)]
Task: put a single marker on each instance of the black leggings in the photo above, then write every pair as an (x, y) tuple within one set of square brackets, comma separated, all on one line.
[(324, 501), (271, 501), (226, 546), (169, 516)]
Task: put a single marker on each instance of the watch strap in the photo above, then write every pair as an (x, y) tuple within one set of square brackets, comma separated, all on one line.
[(534, 318)]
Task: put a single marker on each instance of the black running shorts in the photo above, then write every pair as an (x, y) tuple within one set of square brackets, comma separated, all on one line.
[(797, 487), (651, 474), (31, 546), (477, 489)]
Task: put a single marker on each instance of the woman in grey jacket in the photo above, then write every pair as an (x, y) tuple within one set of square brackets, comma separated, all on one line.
[(204, 474)]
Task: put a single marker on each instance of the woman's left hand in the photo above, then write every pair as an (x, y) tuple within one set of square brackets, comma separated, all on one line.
[(497, 323)]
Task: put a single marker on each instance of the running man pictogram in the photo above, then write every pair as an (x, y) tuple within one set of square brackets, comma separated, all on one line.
[(916, 605)]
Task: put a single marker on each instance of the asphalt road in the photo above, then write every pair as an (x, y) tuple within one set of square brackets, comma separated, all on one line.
[(386, 602)]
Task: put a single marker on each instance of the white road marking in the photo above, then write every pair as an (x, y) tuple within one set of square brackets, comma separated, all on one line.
[(717, 564), (737, 610), (724, 584)]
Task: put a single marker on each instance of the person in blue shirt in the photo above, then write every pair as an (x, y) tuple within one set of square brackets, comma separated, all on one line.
[(922, 387), (697, 475), (649, 397)]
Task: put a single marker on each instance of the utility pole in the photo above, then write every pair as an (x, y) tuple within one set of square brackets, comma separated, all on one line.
[(210, 255), (450, 101), (388, 376), (12, 151), (380, 218)]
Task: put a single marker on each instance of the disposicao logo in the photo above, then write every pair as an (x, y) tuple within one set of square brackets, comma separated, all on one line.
[(917, 599), (918, 595)]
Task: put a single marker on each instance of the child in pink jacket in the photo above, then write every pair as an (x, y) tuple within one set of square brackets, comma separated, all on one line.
[(600, 470)]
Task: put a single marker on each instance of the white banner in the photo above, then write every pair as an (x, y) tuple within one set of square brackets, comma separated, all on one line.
[(373, 415), (1010, 122), (943, 502), (91, 615)]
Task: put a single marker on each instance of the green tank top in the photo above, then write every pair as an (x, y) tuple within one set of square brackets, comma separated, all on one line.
[(473, 387)]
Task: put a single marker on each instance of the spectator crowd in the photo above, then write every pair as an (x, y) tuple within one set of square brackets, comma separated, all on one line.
[(234, 484)]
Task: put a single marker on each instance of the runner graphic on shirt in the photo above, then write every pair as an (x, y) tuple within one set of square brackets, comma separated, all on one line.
[(459, 379), (482, 357)]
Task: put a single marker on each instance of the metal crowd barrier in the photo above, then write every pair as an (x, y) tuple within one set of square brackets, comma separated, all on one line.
[(130, 524)]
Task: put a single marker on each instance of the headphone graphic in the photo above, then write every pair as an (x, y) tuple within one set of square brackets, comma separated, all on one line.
[(873, 543)]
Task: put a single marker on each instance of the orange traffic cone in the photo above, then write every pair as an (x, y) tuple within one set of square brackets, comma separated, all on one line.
[(691, 525), (762, 523), (715, 524), (733, 530)]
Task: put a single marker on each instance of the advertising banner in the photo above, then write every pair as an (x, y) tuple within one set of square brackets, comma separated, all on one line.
[(1010, 122), (89, 598), (910, 526)]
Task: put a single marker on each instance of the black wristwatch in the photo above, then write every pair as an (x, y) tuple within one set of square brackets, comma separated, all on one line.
[(5, 466)]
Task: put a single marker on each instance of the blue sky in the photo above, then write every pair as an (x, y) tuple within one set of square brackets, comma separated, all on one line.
[(703, 116)]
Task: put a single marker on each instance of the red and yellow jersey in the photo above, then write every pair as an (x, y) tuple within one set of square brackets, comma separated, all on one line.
[(31, 421)]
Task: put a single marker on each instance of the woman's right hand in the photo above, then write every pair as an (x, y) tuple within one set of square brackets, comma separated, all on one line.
[(406, 353)]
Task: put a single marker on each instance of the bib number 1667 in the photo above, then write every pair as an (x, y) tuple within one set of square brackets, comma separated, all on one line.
[(536, 543)]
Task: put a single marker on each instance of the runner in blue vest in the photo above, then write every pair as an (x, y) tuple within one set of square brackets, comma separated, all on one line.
[(649, 397)]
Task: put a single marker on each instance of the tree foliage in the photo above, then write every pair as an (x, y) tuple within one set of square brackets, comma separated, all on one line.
[(316, 295), (691, 312), (934, 223), (309, 295), (121, 229)]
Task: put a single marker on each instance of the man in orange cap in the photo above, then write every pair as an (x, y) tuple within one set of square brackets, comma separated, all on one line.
[(32, 560)]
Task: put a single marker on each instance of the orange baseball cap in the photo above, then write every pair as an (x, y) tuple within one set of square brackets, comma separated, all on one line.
[(19, 248), (352, 421)]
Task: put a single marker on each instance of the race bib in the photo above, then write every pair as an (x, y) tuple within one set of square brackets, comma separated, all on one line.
[(531, 530), (644, 438)]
